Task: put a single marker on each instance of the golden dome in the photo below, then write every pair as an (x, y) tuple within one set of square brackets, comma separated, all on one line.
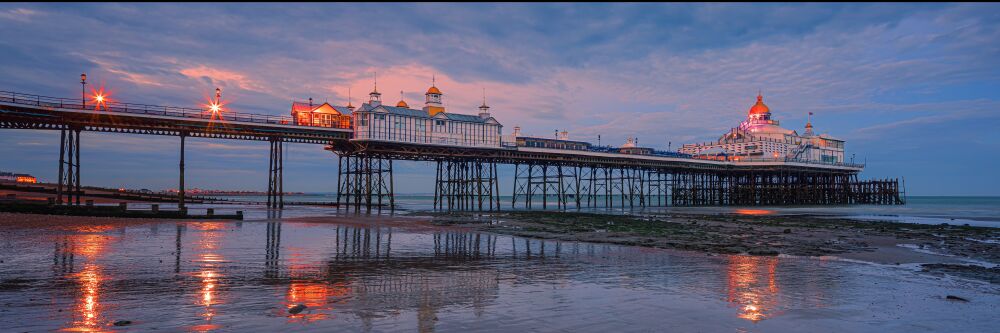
[(402, 104), (433, 90), (759, 108)]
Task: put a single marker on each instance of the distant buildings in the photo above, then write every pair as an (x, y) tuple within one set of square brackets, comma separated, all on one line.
[(761, 137), (17, 177)]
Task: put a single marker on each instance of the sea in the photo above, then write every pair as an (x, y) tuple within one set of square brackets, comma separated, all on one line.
[(955, 210)]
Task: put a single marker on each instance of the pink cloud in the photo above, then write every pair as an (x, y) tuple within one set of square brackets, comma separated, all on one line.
[(225, 77)]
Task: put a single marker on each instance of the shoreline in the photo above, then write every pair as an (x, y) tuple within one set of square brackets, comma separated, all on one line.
[(964, 251)]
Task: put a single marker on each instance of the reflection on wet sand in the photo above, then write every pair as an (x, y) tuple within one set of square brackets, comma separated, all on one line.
[(753, 286), (755, 212), (381, 278), (89, 245), (379, 284), (209, 261)]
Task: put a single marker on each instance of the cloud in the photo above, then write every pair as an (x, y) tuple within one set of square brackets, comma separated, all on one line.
[(223, 77), (19, 14), (673, 73)]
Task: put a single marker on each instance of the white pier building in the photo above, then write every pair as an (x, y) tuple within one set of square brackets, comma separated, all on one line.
[(432, 124), (761, 137)]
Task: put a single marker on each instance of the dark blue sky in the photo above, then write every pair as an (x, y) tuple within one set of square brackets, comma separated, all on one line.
[(912, 88)]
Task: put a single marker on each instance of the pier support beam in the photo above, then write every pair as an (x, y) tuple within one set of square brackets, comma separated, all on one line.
[(275, 177), (180, 186), (365, 181), (546, 180), (69, 158), (466, 185)]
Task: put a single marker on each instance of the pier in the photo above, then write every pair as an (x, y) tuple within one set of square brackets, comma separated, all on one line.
[(467, 177)]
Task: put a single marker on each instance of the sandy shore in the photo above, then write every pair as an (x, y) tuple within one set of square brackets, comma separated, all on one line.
[(959, 250), (967, 251)]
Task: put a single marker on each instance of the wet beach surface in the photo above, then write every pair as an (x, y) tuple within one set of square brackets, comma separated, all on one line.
[(394, 274)]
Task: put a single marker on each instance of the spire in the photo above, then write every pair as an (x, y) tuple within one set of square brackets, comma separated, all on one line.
[(402, 103), (375, 98), (484, 110), (349, 106), (484, 106), (809, 125)]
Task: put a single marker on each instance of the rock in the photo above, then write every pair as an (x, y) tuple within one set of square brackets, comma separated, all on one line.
[(763, 252), (956, 298), (296, 309), (787, 231), (123, 323)]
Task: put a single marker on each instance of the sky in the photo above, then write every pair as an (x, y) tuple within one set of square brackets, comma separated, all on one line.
[(914, 89)]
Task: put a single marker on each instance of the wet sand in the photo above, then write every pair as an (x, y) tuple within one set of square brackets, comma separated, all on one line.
[(976, 248), (427, 272)]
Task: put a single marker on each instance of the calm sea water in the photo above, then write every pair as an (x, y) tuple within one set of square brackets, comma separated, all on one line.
[(979, 211), (244, 276)]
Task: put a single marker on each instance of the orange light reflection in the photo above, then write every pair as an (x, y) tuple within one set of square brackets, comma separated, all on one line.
[(755, 294), (210, 235), (754, 212)]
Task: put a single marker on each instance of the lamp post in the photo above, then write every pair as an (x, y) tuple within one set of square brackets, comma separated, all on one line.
[(83, 90), (215, 107)]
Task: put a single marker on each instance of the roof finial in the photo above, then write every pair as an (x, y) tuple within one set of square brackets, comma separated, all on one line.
[(401, 95), (376, 81), (433, 81), (348, 96), (484, 95)]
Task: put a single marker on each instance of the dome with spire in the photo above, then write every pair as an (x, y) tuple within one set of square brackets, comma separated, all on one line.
[(759, 108), (434, 90), (402, 103)]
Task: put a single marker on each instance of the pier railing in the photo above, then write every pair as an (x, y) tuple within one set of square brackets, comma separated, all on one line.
[(143, 109)]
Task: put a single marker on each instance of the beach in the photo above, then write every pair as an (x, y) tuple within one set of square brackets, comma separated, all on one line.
[(429, 271)]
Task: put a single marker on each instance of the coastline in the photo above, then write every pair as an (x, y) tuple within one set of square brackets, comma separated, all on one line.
[(965, 251)]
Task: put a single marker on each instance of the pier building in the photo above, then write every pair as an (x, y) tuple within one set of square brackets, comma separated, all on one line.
[(433, 124), (321, 115), (761, 137)]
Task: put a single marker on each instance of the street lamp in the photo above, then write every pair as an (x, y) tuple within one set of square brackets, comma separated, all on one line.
[(83, 90), (215, 107)]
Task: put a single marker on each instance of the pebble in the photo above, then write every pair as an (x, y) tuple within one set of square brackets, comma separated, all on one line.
[(296, 309)]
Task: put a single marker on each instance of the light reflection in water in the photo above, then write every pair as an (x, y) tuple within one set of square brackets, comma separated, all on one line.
[(89, 246), (752, 286), (754, 212), (209, 261)]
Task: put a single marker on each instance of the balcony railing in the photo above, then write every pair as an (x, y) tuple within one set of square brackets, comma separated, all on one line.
[(143, 109)]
